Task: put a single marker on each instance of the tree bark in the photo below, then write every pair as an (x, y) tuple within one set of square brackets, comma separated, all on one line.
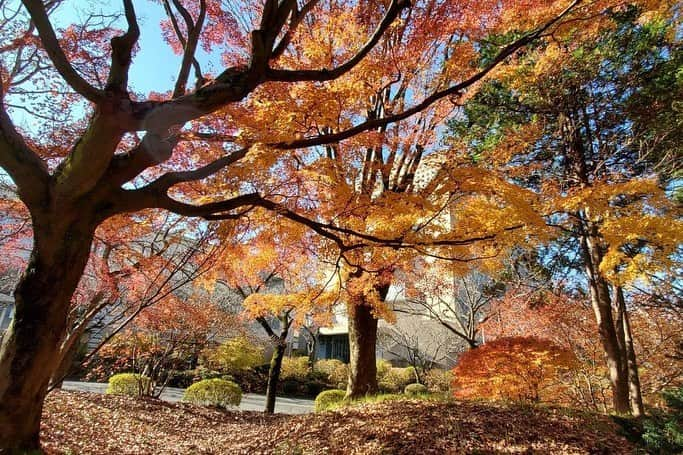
[(29, 352), (602, 307), (362, 350), (274, 376), (66, 359), (280, 342), (635, 392)]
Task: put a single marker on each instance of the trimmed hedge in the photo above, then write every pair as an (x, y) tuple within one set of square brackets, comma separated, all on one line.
[(383, 367), (396, 379), (415, 389), (334, 371), (325, 400), (214, 392), (131, 384), (295, 368)]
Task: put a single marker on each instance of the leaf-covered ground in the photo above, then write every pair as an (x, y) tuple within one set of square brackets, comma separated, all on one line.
[(88, 423)]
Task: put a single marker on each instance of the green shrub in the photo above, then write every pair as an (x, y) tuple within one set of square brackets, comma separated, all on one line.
[(335, 371), (383, 367), (235, 355), (663, 431), (295, 368), (415, 389), (438, 380), (327, 399), (396, 379), (131, 384), (214, 392)]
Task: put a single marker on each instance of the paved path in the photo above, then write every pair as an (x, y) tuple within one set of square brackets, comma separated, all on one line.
[(250, 401)]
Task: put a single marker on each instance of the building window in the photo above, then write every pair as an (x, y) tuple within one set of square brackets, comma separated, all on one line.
[(335, 347)]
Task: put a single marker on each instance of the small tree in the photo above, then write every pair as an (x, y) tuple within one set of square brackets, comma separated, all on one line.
[(518, 368), (165, 337), (235, 355)]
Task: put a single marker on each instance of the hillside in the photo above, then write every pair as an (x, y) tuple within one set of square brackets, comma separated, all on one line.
[(87, 423)]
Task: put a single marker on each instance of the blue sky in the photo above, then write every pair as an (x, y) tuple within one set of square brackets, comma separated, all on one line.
[(155, 66)]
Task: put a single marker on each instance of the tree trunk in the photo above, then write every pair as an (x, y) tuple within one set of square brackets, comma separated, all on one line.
[(635, 393), (29, 352), (274, 375), (602, 307), (66, 360), (362, 350)]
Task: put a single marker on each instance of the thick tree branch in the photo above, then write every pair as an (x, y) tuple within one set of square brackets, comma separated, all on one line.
[(152, 150), (235, 83), (121, 51), (194, 29), (231, 86), (157, 197), (169, 179), (295, 19), (39, 15), (90, 157), (23, 165), (268, 329), (392, 13)]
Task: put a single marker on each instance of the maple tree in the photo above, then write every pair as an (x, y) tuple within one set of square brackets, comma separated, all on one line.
[(373, 179), (111, 151), (517, 368), (135, 262), (68, 201), (167, 336), (568, 321), (277, 278)]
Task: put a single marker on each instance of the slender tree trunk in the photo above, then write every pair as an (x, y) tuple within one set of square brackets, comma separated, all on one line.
[(274, 376), (66, 359), (29, 352), (635, 393), (602, 307), (362, 350)]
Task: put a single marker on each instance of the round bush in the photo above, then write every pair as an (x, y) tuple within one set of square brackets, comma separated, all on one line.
[(383, 367), (395, 380), (335, 371), (131, 384), (295, 368), (214, 392), (325, 400), (415, 389)]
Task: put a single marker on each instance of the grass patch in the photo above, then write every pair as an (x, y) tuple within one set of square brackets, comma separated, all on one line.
[(385, 397)]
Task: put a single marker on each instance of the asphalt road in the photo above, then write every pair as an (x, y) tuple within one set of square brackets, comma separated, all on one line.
[(250, 401)]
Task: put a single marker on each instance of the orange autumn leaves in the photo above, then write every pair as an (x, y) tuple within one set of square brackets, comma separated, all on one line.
[(515, 368)]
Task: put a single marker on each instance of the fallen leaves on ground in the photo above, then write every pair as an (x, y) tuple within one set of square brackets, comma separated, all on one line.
[(84, 423)]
